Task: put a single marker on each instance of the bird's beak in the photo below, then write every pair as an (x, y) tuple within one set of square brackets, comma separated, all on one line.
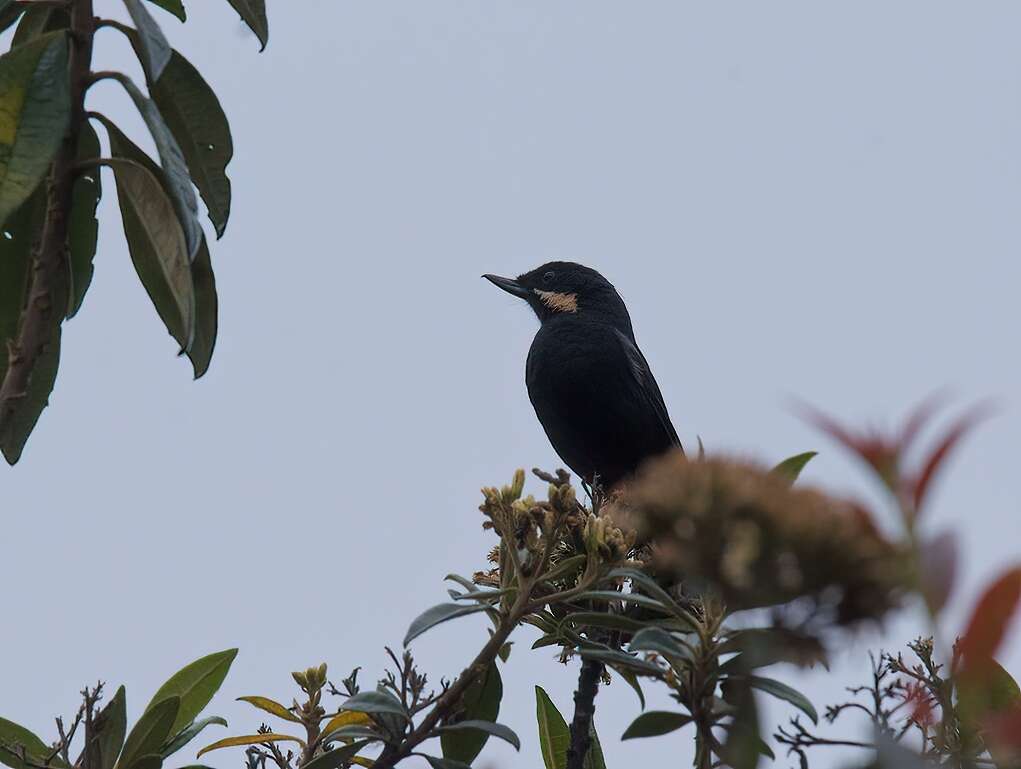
[(509, 285)]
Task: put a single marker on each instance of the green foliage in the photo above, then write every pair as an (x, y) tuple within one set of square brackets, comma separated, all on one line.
[(166, 726), (481, 703), (34, 110), (39, 106)]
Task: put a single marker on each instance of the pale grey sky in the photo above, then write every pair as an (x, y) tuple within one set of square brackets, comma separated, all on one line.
[(794, 198)]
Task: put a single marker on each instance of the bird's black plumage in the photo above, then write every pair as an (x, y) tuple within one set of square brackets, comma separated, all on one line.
[(591, 387)]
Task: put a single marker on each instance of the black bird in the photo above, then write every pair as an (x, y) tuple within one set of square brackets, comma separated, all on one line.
[(591, 387)]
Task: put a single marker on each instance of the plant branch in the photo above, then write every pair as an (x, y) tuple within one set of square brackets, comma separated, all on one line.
[(448, 702), (49, 285)]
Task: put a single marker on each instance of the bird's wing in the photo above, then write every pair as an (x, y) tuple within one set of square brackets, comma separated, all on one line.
[(647, 384)]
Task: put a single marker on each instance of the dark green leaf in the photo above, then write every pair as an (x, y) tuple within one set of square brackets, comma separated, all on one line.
[(332, 759), (154, 50), (188, 733), (175, 169), (505, 651), (353, 732), (34, 110), (203, 339), (18, 736), (496, 730), (37, 21), (654, 723), (206, 311), (21, 423), (253, 12), (791, 467), (150, 761), (194, 684), (16, 242), (623, 660), (481, 702), (594, 758), (654, 639), (742, 748), (649, 586), (374, 702), (156, 244), (111, 726), (150, 732), (631, 680), (445, 763), (568, 567), (782, 691), (437, 614), (198, 123), (175, 7), (613, 595), (83, 228), (10, 12), (602, 619), (554, 735)]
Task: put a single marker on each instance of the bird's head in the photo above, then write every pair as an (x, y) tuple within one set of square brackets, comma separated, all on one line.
[(566, 288)]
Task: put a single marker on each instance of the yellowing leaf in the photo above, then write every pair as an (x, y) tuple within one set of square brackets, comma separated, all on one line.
[(249, 739), (271, 706), (347, 718)]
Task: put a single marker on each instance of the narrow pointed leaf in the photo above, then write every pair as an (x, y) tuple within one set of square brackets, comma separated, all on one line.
[(189, 733), (654, 723), (174, 166), (83, 229), (203, 338), (18, 736), (249, 739), (480, 702), (654, 639), (157, 247), (496, 730), (272, 706), (791, 467), (594, 759), (784, 692), (253, 12), (21, 423), (175, 7), (939, 455), (631, 680), (554, 735), (195, 684), (992, 615), (34, 111), (437, 614), (332, 759), (150, 732), (10, 12), (112, 726), (193, 114), (154, 51), (374, 702), (37, 21)]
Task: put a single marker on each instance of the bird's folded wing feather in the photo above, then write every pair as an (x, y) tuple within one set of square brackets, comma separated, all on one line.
[(647, 384)]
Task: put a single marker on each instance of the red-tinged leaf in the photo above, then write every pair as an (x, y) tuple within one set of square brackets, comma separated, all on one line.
[(881, 452), (920, 417), (989, 621), (939, 454), (938, 557)]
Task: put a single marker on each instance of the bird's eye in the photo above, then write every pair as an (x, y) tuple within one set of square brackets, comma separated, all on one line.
[(548, 277)]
